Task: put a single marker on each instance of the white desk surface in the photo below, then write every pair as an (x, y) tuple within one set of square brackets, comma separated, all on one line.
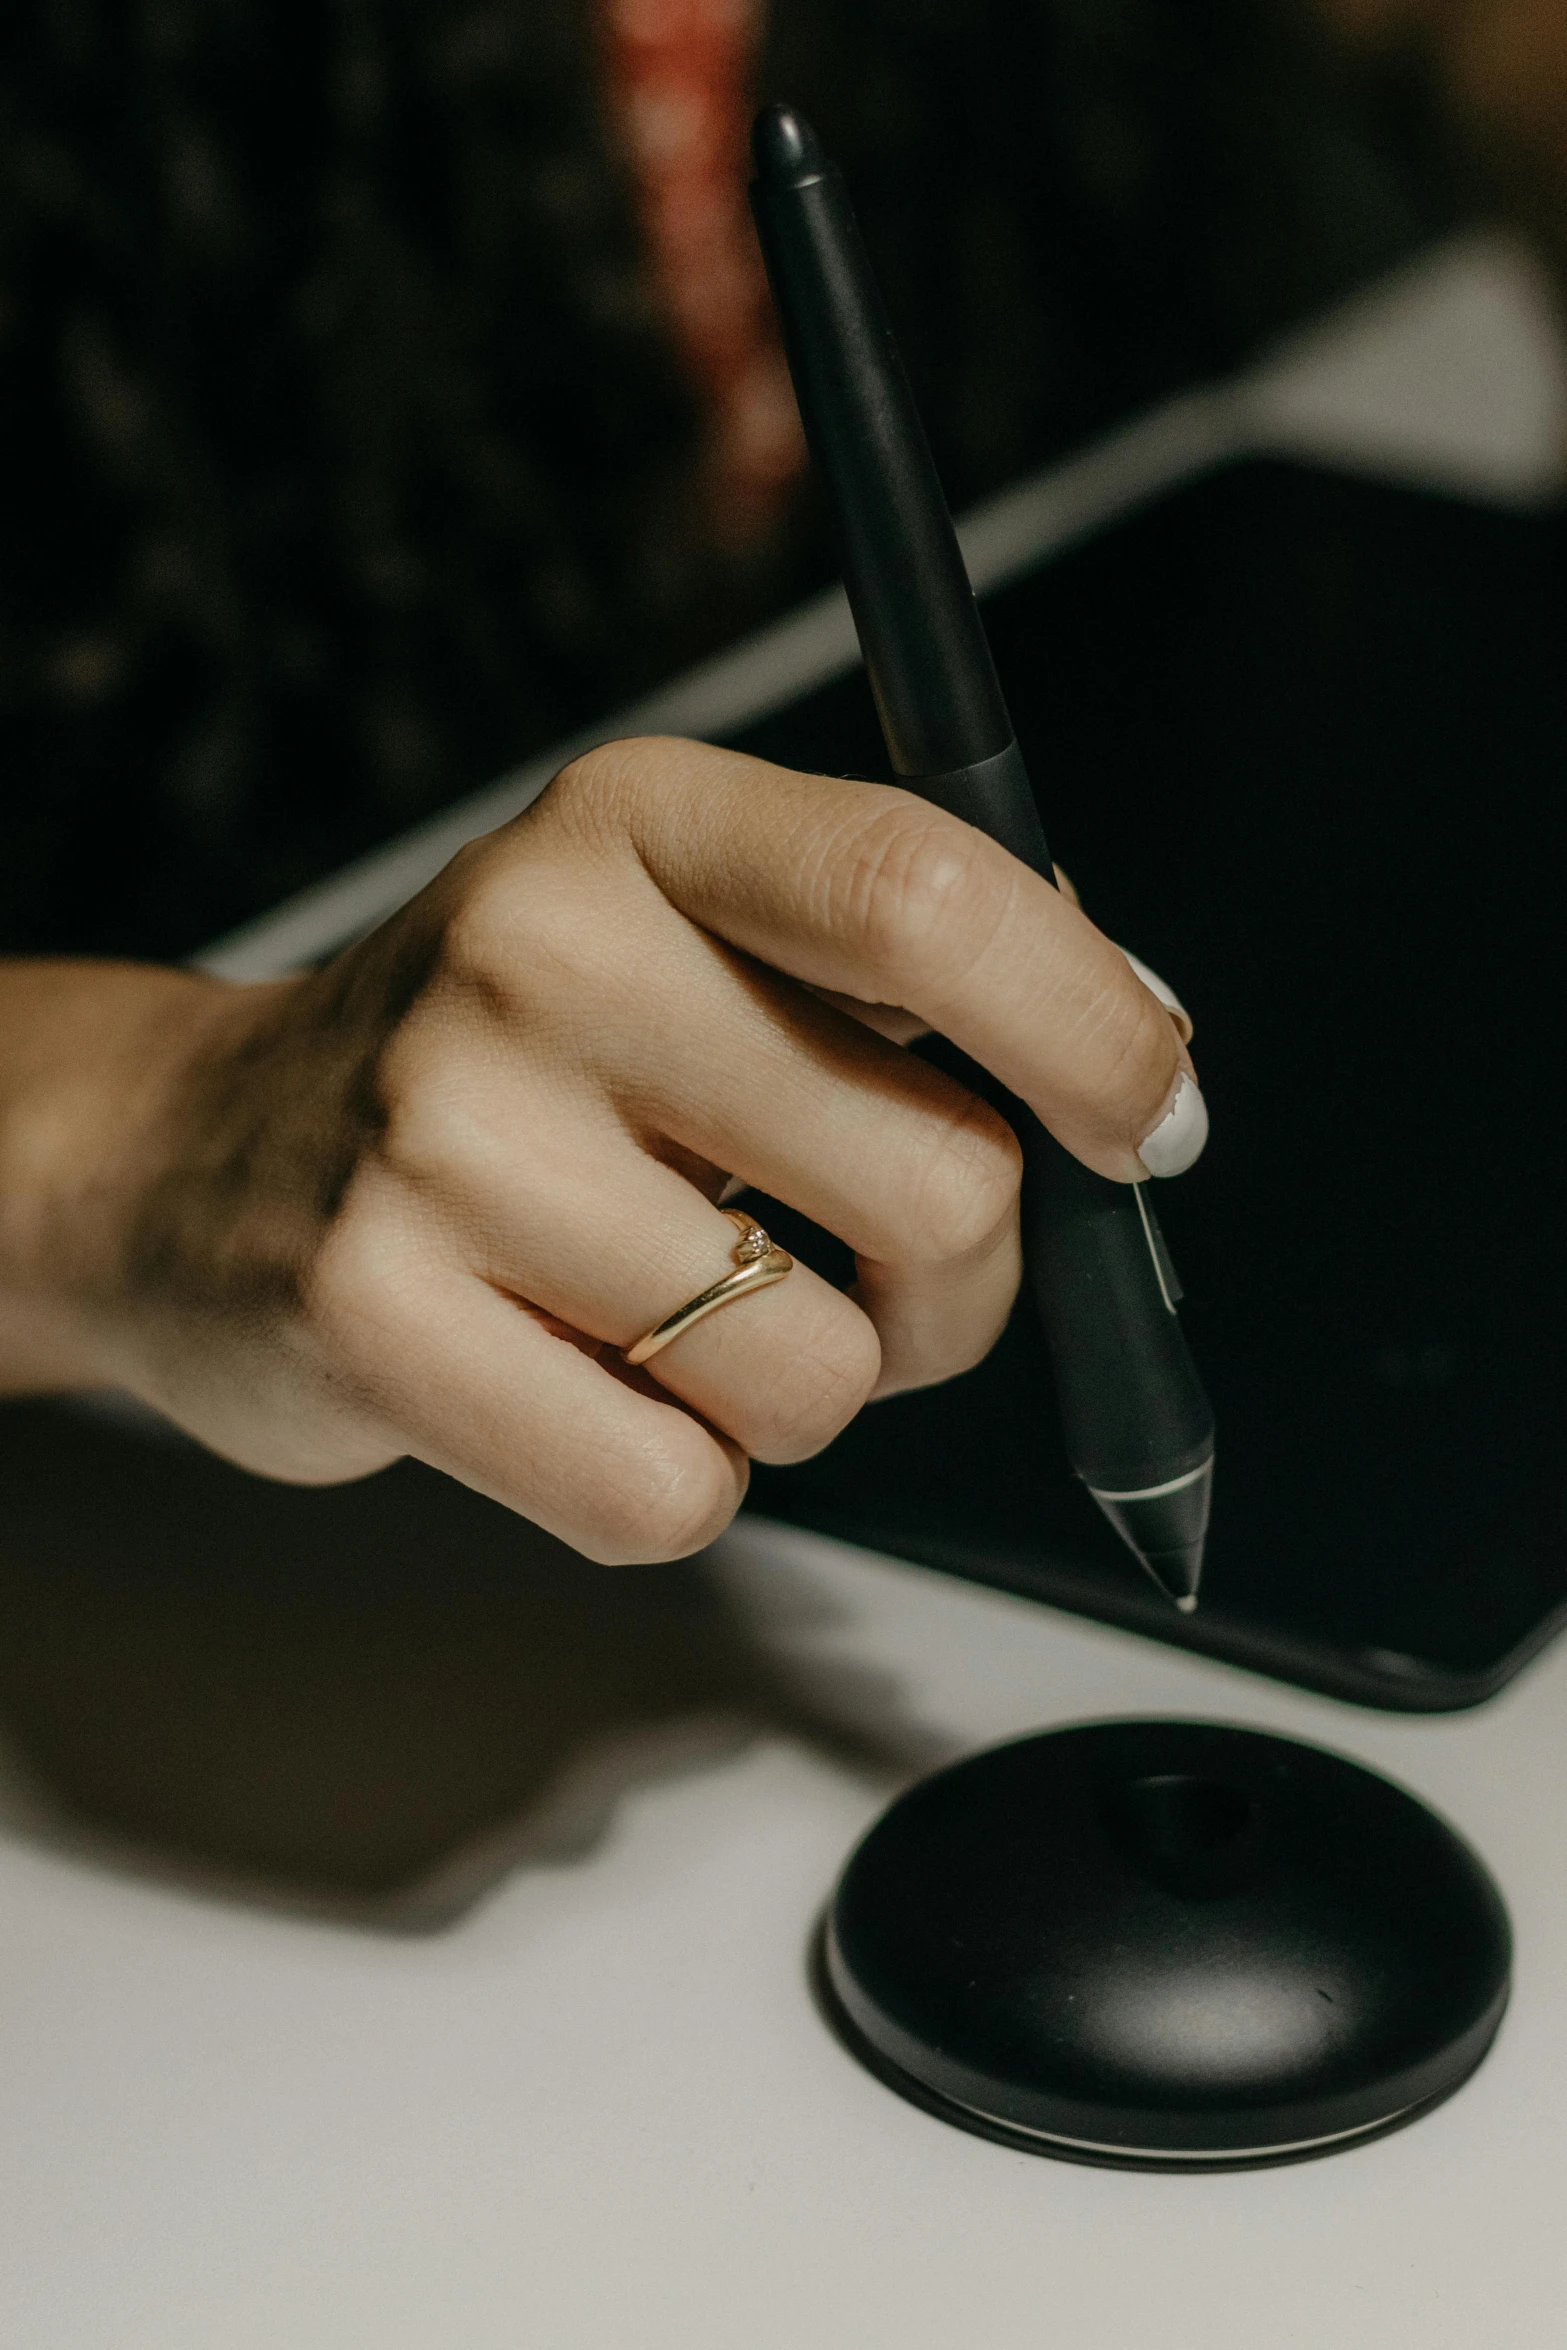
[(600, 2113)]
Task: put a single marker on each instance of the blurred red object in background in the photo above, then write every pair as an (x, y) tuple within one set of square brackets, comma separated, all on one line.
[(679, 89)]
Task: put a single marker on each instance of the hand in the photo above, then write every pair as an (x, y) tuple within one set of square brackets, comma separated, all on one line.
[(419, 1201)]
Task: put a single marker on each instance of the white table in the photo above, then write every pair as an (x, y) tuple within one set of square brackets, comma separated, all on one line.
[(599, 2111)]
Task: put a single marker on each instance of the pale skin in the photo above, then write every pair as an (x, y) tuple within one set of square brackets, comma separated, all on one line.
[(418, 1202)]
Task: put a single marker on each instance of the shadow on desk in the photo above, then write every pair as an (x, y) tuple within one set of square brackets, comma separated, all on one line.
[(366, 1703)]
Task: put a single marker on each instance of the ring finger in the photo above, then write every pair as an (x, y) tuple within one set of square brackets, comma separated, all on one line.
[(597, 1233)]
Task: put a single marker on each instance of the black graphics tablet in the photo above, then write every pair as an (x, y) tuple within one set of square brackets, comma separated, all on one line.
[(1301, 742)]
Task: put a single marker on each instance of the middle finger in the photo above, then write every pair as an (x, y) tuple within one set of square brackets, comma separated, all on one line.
[(748, 1071)]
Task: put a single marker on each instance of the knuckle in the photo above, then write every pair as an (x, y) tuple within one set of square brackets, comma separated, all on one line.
[(479, 931), (422, 1128), (507, 946), (677, 1496), (598, 792), (932, 1363), (965, 1188), (588, 786), (919, 893), (817, 1390), (365, 1285), (954, 1360)]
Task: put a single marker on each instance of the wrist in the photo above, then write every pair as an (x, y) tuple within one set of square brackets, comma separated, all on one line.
[(92, 1058)]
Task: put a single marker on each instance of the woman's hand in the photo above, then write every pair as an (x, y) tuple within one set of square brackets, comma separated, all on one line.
[(419, 1201)]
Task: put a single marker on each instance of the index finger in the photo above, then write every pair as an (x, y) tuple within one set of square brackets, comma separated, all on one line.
[(870, 891)]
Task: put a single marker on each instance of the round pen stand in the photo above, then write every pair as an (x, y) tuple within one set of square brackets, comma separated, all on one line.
[(1167, 1945)]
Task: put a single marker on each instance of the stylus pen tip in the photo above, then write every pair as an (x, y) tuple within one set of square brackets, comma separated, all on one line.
[(1177, 1574), (1166, 1527)]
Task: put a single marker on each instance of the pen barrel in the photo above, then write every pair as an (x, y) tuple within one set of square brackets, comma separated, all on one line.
[(1133, 1409), (1132, 1406), (995, 796), (926, 654)]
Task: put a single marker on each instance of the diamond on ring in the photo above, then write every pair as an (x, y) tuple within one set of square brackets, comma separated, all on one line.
[(758, 1264), (753, 1241)]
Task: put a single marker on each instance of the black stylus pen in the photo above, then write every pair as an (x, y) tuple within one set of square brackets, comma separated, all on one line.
[(1139, 1428)]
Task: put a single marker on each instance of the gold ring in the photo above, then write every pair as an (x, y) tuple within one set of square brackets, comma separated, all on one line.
[(757, 1266)]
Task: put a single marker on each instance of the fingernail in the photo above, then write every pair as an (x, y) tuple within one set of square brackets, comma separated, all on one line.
[(1176, 1142), (1165, 993)]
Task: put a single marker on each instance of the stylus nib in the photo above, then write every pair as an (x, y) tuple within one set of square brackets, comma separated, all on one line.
[(1166, 1527)]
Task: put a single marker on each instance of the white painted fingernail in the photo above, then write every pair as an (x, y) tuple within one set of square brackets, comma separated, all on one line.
[(1176, 1142), (1165, 993)]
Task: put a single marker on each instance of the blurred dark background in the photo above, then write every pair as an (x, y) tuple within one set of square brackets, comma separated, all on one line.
[(348, 455)]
